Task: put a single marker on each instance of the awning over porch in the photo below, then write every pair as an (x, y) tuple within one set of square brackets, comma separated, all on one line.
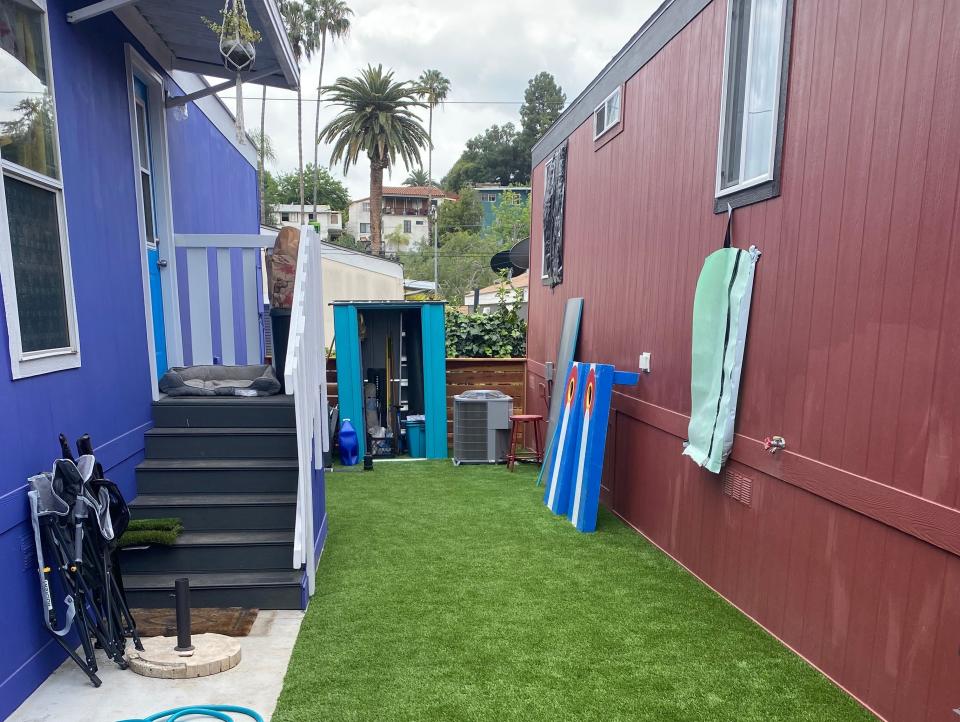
[(173, 32)]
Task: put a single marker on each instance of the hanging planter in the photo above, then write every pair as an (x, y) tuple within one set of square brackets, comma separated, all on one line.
[(238, 54), (238, 48)]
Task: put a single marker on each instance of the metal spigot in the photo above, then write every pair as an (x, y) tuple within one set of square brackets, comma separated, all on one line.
[(773, 444)]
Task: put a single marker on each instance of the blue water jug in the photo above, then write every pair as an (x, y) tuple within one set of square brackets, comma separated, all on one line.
[(349, 446)]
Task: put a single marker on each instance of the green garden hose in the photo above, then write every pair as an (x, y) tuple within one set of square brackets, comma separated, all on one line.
[(212, 711)]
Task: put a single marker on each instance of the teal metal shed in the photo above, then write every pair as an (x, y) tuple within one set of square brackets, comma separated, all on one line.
[(401, 347)]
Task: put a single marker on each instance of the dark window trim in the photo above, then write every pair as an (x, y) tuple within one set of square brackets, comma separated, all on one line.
[(771, 188)]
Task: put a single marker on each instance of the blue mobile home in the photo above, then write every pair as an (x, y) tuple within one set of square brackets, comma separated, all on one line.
[(492, 196), (102, 169)]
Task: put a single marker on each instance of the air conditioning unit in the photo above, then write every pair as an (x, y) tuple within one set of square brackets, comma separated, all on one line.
[(481, 427)]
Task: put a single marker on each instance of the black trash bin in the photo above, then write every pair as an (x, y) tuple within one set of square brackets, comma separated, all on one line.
[(280, 328)]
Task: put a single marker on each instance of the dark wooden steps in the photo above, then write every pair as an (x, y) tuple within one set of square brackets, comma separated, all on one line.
[(256, 589), (200, 512), (212, 551), (227, 468), (211, 442), (217, 476)]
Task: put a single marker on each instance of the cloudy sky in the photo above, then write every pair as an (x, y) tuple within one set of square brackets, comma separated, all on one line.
[(488, 51)]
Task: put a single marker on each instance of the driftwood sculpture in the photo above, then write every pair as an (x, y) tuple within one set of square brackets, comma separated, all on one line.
[(282, 268)]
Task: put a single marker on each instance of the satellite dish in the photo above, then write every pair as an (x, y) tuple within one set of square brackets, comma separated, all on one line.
[(501, 262), (520, 256)]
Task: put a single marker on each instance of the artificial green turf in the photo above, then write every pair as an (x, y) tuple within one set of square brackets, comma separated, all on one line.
[(141, 532), (452, 593)]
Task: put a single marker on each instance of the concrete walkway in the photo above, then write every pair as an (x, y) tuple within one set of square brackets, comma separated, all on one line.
[(254, 683)]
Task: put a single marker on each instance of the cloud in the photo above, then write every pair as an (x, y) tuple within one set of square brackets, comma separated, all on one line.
[(488, 51)]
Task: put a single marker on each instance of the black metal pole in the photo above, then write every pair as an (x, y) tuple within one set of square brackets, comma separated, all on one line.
[(182, 592)]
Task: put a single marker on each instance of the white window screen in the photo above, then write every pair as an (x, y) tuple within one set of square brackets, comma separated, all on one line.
[(607, 114)]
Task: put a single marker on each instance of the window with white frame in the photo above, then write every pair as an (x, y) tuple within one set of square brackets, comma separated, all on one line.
[(488, 197), (607, 114), (34, 252), (407, 226), (145, 163), (364, 227), (749, 119), (366, 206)]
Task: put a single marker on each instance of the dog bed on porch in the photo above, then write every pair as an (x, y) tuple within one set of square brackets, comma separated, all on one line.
[(250, 380)]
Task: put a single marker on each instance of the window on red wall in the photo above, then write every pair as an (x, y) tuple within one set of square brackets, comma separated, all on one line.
[(607, 114), (752, 100)]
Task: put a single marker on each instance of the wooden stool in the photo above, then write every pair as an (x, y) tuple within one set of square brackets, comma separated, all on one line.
[(516, 438)]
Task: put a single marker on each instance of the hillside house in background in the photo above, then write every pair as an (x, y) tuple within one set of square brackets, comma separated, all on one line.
[(288, 214), (488, 298), (832, 130), (491, 195), (405, 209)]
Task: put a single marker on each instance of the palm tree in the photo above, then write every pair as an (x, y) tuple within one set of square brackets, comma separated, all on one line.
[(332, 17), (262, 143), (264, 146), (419, 177), (378, 118), (301, 30), (433, 87)]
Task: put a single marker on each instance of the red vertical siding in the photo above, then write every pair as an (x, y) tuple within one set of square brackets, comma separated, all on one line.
[(848, 550)]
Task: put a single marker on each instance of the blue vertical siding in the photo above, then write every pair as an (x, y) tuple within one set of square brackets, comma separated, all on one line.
[(109, 396)]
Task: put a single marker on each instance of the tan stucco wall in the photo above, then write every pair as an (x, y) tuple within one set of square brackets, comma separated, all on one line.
[(342, 282)]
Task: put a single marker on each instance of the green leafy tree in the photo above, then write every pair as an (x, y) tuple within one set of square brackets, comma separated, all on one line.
[(302, 33), (511, 220), (377, 118), (543, 102), (318, 183), (332, 18), (464, 214), (501, 154), (345, 240), (270, 199), (464, 261), (490, 157)]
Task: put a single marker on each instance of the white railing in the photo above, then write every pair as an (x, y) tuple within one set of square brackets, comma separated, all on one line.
[(306, 378), (238, 324)]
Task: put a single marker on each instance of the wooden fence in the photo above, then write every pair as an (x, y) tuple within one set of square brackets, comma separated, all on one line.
[(501, 374), (463, 374)]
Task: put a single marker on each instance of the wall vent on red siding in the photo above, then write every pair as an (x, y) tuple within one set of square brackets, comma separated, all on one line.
[(737, 486)]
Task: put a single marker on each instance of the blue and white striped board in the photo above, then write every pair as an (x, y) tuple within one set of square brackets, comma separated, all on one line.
[(595, 411), (557, 493)]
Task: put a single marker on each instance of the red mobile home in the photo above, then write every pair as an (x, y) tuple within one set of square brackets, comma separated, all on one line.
[(833, 128)]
